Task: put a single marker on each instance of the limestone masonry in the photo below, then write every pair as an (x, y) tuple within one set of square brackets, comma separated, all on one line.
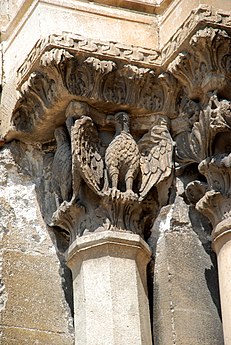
[(115, 174)]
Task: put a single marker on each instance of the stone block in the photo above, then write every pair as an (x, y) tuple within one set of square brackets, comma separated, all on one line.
[(35, 299), (22, 336)]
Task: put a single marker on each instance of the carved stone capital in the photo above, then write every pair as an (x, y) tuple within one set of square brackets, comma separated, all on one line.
[(108, 85), (205, 66), (216, 203)]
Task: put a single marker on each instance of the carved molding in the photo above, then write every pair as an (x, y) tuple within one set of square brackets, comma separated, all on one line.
[(79, 44), (204, 15), (144, 57)]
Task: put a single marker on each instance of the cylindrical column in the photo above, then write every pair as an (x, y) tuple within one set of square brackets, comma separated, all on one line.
[(222, 247), (110, 289)]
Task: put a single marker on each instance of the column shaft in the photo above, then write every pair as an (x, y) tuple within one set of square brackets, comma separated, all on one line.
[(110, 289), (222, 247)]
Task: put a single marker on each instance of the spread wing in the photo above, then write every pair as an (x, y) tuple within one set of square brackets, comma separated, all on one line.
[(61, 167), (86, 156), (156, 164)]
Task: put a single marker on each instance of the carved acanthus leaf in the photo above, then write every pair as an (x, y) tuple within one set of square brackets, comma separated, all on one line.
[(216, 201), (61, 76), (197, 130), (55, 57), (206, 65), (215, 206)]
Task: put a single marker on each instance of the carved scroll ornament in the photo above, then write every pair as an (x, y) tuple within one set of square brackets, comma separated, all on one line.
[(207, 143), (112, 185)]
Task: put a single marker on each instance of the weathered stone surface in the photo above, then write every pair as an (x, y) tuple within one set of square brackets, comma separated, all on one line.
[(186, 300), (33, 301), (147, 59), (21, 336), (110, 289), (29, 281)]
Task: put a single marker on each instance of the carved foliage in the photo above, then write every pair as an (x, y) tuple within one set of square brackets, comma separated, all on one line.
[(61, 76), (207, 142), (206, 65), (216, 203), (196, 130)]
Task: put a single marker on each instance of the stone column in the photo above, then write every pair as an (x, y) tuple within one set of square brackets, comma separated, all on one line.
[(222, 247), (110, 289), (216, 205)]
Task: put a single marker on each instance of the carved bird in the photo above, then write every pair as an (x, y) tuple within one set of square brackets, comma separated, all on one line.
[(87, 162), (123, 160), (122, 157), (62, 166), (156, 149)]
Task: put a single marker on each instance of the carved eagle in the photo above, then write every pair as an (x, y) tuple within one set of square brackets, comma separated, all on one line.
[(124, 158)]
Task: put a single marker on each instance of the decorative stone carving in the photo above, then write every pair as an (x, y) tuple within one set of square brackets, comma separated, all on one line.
[(216, 203), (206, 65), (196, 130), (116, 182), (85, 45), (204, 138), (105, 84)]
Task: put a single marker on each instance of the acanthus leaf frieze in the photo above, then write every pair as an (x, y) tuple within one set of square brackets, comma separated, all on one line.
[(105, 84)]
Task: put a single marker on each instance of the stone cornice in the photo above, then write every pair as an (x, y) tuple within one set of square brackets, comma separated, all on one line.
[(139, 5), (87, 46), (199, 18)]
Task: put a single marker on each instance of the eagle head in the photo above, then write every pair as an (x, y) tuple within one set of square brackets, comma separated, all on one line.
[(122, 122)]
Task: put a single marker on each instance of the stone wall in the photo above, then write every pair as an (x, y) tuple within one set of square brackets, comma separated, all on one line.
[(36, 289)]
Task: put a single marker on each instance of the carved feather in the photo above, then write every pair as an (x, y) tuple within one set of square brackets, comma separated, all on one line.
[(61, 168), (156, 149), (87, 160)]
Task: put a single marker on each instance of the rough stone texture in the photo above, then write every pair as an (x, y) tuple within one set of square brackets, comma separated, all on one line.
[(186, 297), (161, 57), (33, 305)]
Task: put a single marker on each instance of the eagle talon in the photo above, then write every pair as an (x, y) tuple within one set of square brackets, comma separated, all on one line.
[(130, 195)]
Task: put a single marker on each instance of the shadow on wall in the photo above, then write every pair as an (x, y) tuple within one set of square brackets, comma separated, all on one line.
[(203, 229), (35, 162)]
